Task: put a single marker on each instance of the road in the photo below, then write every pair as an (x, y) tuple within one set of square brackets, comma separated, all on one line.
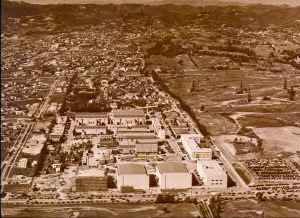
[(12, 159), (46, 102), (22, 139), (231, 171)]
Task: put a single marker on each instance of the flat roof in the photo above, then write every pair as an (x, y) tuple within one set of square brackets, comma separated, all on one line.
[(91, 127), (137, 135), (91, 115), (90, 173), (189, 138), (172, 167), (131, 168), (128, 113), (211, 167)]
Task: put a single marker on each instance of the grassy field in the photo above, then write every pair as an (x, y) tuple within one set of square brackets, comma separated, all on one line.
[(106, 210), (248, 208), (216, 90)]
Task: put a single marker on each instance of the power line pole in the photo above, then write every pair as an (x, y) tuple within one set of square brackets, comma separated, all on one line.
[(241, 87), (285, 85)]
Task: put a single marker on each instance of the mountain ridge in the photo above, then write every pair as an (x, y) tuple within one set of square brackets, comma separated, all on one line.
[(292, 3)]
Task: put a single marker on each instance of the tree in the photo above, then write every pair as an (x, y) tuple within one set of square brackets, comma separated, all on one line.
[(259, 195), (165, 209), (159, 199), (111, 182)]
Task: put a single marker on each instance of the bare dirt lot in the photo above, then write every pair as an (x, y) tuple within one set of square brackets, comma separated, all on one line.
[(280, 138)]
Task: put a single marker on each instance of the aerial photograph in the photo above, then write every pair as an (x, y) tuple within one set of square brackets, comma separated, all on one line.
[(150, 108)]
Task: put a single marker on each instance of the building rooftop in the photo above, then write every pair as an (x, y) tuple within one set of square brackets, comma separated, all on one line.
[(190, 139), (211, 167), (128, 113), (137, 135), (91, 127), (131, 168), (172, 167), (90, 172), (91, 115)]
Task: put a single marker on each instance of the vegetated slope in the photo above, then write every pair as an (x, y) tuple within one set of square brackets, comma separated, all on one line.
[(212, 16)]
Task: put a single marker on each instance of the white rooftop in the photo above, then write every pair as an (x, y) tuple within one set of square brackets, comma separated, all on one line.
[(211, 167), (190, 139), (91, 172)]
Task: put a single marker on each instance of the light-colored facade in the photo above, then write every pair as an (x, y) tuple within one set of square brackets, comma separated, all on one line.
[(146, 148), (91, 180), (128, 117), (190, 143), (213, 175), (57, 132), (22, 163), (90, 130), (173, 175), (161, 134), (133, 175), (91, 119)]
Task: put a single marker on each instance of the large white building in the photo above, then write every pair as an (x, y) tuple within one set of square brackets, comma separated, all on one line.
[(191, 143), (126, 117), (90, 130), (173, 175), (22, 163), (92, 119), (133, 175), (213, 175)]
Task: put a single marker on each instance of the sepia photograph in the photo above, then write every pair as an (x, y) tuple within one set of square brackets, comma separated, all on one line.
[(150, 108)]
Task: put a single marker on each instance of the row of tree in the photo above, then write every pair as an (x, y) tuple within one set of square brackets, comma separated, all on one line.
[(182, 104)]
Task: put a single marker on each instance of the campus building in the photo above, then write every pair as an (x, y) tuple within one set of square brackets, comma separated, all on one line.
[(173, 175), (213, 175), (191, 143)]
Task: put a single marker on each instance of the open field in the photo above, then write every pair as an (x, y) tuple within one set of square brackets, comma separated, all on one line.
[(216, 89), (248, 208), (105, 210), (279, 138)]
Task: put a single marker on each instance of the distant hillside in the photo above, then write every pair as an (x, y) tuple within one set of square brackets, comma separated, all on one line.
[(211, 16), (176, 2)]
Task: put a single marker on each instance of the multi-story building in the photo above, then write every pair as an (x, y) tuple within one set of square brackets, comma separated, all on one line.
[(126, 117), (22, 163), (133, 175), (213, 175), (91, 180), (191, 143), (91, 119), (173, 175), (90, 130), (57, 132)]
